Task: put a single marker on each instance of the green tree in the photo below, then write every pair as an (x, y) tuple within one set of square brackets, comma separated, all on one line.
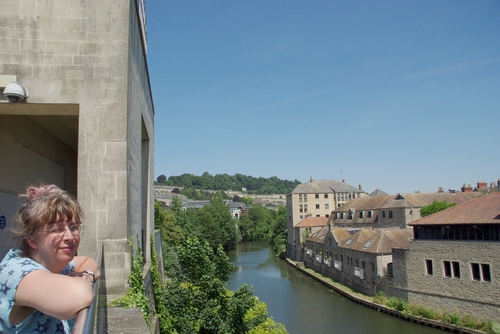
[(435, 207), (199, 301), (217, 226), (278, 231), (165, 221)]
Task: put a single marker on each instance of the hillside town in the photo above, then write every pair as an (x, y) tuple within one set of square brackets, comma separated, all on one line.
[(380, 243)]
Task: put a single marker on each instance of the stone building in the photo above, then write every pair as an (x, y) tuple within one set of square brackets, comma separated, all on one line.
[(357, 258), (316, 198), (307, 227), (87, 122), (360, 212), (405, 208), (452, 262)]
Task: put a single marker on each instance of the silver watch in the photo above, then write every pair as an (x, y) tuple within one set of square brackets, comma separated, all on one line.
[(91, 274)]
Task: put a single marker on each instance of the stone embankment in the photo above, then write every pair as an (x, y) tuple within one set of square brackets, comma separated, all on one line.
[(368, 302)]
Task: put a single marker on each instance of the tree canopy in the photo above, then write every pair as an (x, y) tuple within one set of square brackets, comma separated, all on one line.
[(224, 182), (435, 207), (199, 301)]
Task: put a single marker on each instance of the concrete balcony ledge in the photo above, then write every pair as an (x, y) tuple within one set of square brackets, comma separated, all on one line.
[(126, 321)]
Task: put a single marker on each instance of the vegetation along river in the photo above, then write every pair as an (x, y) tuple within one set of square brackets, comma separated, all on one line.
[(304, 305)]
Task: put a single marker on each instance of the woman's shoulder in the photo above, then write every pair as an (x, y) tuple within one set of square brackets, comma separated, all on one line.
[(14, 260)]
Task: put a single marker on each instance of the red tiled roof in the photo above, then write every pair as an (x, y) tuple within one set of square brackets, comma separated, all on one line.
[(482, 210), (313, 222)]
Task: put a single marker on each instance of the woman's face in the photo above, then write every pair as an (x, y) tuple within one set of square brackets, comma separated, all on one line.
[(56, 244)]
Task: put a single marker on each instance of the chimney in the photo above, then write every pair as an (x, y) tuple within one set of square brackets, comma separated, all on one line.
[(466, 188), (440, 190), (343, 180), (311, 179), (482, 185), (360, 187)]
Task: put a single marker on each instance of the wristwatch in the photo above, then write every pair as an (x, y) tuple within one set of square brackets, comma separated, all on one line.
[(91, 274)]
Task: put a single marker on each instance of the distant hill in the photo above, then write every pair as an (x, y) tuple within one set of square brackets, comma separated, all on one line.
[(225, 182)]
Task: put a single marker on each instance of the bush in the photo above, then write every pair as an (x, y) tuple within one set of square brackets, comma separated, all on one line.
[(452, 318), (425, 312), (398, 304), (380, 298)]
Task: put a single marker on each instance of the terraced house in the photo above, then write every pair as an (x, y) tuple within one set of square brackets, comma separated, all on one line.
[(357, 258)]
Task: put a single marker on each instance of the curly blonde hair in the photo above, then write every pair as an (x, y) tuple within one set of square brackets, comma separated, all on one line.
[(45, 205)]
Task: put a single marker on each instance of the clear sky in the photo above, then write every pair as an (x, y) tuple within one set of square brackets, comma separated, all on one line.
[(395, 95)]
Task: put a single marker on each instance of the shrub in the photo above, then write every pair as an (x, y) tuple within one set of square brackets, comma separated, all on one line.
[(452, 318), (380, 298), (425, 312)]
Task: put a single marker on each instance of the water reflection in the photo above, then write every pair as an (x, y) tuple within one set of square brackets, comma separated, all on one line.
[(304, 305)]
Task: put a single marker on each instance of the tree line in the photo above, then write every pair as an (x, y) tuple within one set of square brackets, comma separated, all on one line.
[(196, 298), (224, 182)]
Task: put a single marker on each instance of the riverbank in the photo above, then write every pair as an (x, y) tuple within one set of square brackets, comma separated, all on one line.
[(368, 301)]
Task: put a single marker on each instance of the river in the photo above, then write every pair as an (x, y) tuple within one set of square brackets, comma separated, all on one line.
[(304, 305)]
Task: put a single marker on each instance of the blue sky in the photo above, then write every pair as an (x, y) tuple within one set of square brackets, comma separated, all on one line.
[(398, 95)]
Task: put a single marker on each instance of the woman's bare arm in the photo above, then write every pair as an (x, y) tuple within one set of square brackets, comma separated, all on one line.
[(86, 263), (56, 295)]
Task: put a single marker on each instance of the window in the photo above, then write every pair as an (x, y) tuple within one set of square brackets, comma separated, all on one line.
[(317, 196), (305, 208), (456, 269), (349, 215), (447, 268), (390, 269), (361, 215), (428, 267), (327, 206), (370, 214), (305, 198), (326, 195), (317, 206), (476, 275), (301, 217), (390, 214), (481, 272), (383, 214), (368, 244), (485, 270), (301, 209)]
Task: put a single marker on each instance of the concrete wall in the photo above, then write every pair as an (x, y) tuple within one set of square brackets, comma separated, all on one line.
[(86, 56)]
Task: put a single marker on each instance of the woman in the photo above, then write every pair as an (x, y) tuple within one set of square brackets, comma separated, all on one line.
[(43, 284)]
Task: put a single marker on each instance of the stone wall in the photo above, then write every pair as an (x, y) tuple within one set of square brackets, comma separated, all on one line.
[(464, 294)]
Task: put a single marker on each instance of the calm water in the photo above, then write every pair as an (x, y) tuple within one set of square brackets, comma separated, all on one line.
[(302, 304)]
